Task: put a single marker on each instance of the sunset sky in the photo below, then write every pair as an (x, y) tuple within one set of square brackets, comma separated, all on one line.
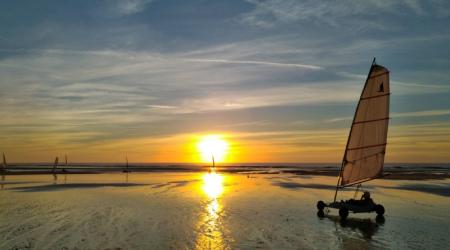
[(278, 80)]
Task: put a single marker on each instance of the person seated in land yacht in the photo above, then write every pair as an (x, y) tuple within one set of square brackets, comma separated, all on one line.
[(365, 199)]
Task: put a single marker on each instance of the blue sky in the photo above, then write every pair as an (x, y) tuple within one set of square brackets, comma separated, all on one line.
[(98, 79)]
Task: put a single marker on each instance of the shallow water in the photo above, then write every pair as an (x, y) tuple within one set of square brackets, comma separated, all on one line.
[(214, 211)]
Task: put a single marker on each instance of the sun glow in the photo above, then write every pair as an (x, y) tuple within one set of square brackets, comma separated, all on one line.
[(213, 145)]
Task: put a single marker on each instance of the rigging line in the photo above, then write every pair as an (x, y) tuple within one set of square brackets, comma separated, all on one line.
[(356, 191)]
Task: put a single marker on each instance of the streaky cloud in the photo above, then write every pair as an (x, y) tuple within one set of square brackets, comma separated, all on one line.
[(424, 113), (276, 64)]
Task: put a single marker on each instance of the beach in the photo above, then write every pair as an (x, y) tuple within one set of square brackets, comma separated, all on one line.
[(223, 210)]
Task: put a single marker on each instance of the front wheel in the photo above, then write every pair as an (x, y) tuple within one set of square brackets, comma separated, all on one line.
[(379, 209), (320, 214), (343, 213), (320, 205)]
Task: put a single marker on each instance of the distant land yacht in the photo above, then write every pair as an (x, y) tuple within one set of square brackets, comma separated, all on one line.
[(126, 170), (4, 164)]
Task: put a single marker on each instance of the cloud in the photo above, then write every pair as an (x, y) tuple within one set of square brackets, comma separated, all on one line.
[(273, 12), (305, 66), (117, 81), (424, 113), (127, 7)]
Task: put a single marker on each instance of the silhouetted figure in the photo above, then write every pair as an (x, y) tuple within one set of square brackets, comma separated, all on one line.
[(365, 198)]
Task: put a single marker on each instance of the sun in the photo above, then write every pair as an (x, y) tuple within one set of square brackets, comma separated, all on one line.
[(213, 145)]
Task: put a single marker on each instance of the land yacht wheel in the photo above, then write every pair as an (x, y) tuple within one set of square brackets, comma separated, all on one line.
[(320, 205), (379, 209), (380, 219), (320, 214), (343, 213)]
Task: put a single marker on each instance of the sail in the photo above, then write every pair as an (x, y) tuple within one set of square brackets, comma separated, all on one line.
[(4, 164), (364, 154), (55, 165)]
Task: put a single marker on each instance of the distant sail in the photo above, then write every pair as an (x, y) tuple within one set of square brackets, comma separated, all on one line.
[(364, 154), (55, 165), (4, 164)]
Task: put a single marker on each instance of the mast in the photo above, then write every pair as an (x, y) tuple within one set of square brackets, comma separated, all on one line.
[(351, 128)]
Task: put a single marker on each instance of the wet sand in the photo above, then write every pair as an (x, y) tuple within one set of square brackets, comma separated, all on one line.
[(197, 210)]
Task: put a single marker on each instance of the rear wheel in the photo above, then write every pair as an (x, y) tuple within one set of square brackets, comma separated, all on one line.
[(320, 205), (343, 213), (379, 209)]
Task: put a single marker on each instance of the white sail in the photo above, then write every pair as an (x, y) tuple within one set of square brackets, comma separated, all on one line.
[(364, 154)]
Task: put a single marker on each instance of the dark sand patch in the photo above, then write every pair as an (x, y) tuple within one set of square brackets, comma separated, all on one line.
[(416, 176), (16, 182), (442, 190), (58, 187), (295, 185), (172, 184)]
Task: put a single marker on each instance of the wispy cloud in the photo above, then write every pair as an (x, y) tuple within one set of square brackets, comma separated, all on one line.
[(305, 66), (127, 7), (424, 113), (273, 12)]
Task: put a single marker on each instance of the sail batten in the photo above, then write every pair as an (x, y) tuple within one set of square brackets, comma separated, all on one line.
[(364, 154)]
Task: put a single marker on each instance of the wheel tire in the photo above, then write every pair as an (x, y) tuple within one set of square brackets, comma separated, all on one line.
[(343, 213), (379, 209), (320, 214), (320, 205), (380, 219)]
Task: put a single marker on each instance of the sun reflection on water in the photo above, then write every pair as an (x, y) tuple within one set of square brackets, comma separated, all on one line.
[(213, 185), (210, 227)]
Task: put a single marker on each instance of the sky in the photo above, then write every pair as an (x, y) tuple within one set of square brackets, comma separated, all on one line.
[(278, 79)]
